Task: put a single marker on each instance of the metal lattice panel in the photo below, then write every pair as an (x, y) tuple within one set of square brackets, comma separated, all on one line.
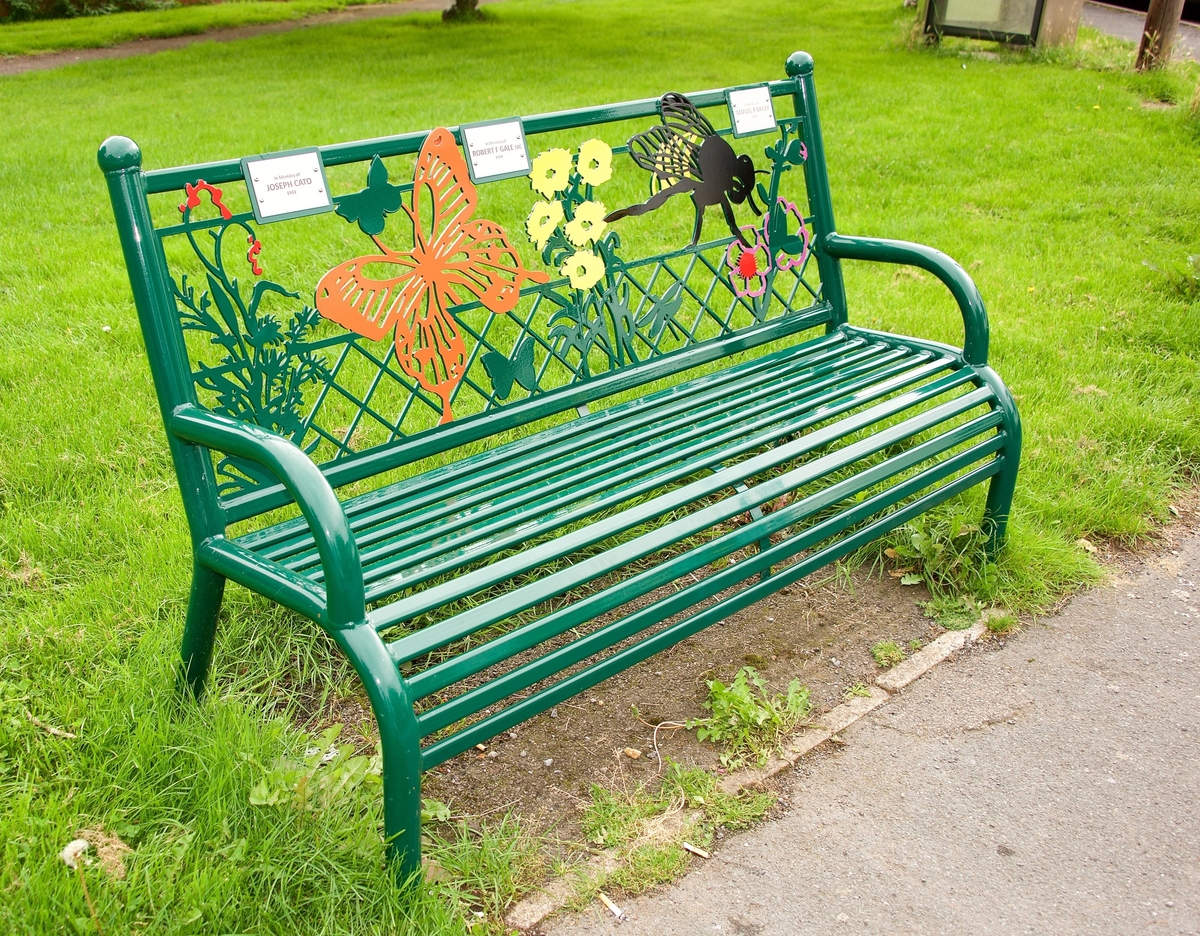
[(264, 353)]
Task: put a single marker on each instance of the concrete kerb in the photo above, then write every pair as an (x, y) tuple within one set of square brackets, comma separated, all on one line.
[(556, 894)]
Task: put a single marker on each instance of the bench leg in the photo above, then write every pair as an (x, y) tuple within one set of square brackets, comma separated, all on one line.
[(400, 743), (200, 630), (999, 504), (1000, 491)]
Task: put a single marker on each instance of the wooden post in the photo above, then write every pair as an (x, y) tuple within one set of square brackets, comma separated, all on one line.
[(1060, 22), (1162, 22)]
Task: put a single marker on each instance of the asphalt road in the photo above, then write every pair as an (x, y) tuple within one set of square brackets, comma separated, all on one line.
[(1051, 785), (1128, 24)]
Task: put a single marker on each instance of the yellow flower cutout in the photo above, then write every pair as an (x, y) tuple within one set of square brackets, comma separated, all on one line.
[(551, 172), (595, 162), (584, 268), (588, 223), (542, 221)]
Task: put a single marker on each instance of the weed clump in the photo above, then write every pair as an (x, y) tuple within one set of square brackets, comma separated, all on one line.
[(1182, 278), (746, 720), (648, 823), (1001, 623), (953, 613), (946, 551), (887, 653)]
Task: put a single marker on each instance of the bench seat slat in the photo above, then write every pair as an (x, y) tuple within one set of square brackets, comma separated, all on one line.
[(744, 413), (514, 714), (520, 599)]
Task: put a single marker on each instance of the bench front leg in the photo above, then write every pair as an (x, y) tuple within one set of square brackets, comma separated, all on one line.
[(345, 620), (400, 746), (1004, 484)]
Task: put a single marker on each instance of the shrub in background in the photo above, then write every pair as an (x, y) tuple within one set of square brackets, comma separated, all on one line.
[(15, 11)]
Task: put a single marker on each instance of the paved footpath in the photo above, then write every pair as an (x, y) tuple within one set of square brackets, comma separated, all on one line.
[(43, 61), (1128, 24), (1048, 786)]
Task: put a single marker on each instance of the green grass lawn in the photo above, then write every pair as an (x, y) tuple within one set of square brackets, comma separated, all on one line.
[(1049, 182), (93, 32)]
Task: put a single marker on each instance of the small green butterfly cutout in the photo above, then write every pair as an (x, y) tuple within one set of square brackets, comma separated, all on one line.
[(370, 206), (504, 372)]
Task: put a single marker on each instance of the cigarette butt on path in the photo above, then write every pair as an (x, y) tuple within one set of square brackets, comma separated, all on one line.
[(612, 907), (688, 846)]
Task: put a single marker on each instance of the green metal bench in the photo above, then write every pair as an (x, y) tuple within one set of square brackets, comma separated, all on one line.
[(498, 547)]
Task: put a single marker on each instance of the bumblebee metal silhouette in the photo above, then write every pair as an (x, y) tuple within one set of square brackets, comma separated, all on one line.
[(686, 155)]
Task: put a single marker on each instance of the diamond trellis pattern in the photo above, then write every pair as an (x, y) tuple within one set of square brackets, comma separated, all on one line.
[(338, 394)]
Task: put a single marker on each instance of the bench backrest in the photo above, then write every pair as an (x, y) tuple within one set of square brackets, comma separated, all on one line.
[(428, 312)]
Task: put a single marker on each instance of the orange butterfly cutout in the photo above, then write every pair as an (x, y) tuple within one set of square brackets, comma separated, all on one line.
[(457, 256)]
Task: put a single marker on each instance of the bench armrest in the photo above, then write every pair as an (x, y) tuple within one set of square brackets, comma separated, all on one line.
[(312, 492), (975, 322)]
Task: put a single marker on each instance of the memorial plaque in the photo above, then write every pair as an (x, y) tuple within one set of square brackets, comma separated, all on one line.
[(286, 185), (496, 150)]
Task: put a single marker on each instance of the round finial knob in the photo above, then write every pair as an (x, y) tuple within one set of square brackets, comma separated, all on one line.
[(118, 152), (799, 64)]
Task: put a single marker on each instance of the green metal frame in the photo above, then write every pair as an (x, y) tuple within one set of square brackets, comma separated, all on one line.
[(865, 429)]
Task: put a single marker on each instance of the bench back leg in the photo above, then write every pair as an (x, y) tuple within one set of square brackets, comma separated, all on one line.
[(200, 630), (400, 744), (1000, 490)]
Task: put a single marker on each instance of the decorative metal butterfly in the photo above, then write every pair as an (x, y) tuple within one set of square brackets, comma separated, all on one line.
[(456, 258), (506, 371)]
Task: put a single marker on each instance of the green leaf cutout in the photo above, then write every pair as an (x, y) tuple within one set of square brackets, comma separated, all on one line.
[(370, 206), (777, 233), (662, 312)]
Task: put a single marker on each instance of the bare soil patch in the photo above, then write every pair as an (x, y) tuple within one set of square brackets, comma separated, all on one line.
[(819, 631), (542, 770)]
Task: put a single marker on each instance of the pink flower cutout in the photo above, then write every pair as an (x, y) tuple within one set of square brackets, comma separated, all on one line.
[(748, 266), (786, 261)]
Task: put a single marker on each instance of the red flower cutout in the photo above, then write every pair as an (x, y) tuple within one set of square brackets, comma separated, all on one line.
[(748, 266), (193, 198), (252, 254)]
